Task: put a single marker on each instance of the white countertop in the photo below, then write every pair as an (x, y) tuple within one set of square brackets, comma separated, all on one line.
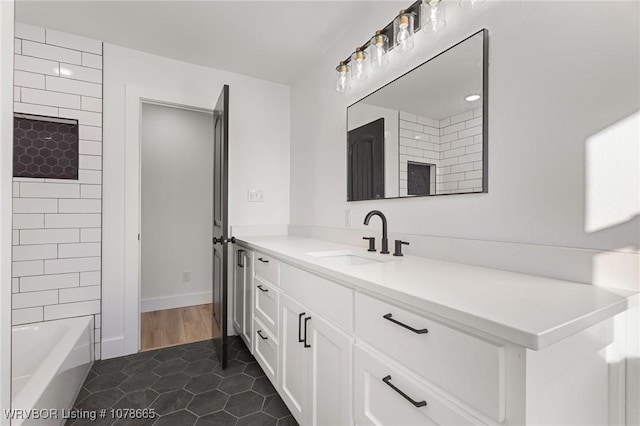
[(531, 311)]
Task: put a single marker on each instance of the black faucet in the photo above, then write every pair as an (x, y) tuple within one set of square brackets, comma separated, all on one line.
[(385, 240)]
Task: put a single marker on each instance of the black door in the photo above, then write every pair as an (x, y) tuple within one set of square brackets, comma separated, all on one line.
[(365, 162), (220, 222)]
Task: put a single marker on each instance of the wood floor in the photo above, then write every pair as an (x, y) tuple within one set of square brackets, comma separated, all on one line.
[(171, 327)]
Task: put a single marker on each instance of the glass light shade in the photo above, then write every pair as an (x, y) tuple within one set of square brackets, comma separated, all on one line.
[(378, 49), (343, 77), (471, 4), (359, 65), (403, 32), (433, 15)]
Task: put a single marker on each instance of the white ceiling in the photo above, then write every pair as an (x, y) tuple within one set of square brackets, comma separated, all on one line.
[(271, 40), (437, 89)]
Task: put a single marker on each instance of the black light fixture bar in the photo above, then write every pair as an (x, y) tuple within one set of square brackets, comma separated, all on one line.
[(388, 29)]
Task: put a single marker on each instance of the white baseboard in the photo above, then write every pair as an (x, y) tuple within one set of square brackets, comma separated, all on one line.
[(113, 347), (176, 301)]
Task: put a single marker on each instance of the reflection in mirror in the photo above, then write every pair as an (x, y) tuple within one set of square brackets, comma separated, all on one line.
[(424, 133)]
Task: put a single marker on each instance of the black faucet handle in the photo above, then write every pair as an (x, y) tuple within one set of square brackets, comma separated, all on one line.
[(399, 245), (372, 243)]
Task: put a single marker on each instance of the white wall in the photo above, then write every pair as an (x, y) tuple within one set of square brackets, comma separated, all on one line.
[(57, 222), (259, 136), (559, 73), (6, 172), (564, 120), (177, 206)]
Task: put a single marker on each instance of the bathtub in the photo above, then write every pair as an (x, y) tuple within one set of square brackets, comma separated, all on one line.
[(50, 361)]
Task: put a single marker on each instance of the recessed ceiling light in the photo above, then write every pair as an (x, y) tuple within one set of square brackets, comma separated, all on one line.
[(471, 98), (65, 71)]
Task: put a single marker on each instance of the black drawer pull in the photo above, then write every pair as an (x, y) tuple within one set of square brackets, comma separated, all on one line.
[(306, 320), (416, 404), (388, 317), (300, 340), (262, 260), (261, 336), (262, 288), (240, 258)]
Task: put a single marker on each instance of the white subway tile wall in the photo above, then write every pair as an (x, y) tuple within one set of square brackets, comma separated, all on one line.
[(57, 223), (453, 145)]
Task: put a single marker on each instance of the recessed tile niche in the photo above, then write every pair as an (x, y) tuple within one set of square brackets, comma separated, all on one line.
[(45, 147)]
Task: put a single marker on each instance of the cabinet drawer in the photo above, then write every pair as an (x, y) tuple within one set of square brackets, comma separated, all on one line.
[(469, 367), (267, 267), (266, 304), (266, 351), (385, 394), (331, 300)]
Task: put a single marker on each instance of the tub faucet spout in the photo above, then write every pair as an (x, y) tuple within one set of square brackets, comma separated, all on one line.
[(385, 240)]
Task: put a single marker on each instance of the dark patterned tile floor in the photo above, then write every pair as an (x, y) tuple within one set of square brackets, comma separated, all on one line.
[(185, 386)]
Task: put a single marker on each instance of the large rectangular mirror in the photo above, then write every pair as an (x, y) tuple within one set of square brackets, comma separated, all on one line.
[(424, 133)]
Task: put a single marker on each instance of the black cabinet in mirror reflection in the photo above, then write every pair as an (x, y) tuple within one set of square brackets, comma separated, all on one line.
[(365, 162), (419, 178)]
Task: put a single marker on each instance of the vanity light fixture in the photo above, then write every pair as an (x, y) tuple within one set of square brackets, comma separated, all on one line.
[(343, 77), (471, 4), (428, 15), (403, 31), (433, 15), (359, 64), (378, 49), (472, 98)]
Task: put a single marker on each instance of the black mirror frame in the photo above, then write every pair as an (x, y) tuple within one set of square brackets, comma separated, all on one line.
[(485, 118)]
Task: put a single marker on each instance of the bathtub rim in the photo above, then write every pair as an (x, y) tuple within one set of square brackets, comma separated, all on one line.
[(45, 372)]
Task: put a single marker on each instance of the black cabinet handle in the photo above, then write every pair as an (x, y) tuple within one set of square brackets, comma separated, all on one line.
[(262, 260), (240, 257), (306, 320), (387, 381), (261, 336), (262, 288), (388, 317), (300, 340)]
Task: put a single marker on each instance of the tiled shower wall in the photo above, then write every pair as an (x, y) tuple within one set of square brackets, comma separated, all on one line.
[(57, 223), (453, 144)]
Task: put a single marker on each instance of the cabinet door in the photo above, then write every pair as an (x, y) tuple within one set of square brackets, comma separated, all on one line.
[(238, 291), (331, 374), (294, 359), (247, 332)]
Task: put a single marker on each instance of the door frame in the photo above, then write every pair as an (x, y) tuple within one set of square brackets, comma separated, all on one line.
[(135, 97)]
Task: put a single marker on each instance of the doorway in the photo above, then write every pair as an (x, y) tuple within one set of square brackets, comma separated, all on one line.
[(176, 222)]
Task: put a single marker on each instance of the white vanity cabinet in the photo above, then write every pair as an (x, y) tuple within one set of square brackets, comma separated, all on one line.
[(340, 353), (266, 315), (242, 294), (316, 367), (412, 369)]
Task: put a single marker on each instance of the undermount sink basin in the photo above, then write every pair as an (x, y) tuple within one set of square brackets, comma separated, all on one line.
[(344, 257)]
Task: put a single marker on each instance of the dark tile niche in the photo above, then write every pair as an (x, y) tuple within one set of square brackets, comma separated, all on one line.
[(45, 147)]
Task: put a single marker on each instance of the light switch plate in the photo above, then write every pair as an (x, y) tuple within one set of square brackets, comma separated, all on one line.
[(255, 195)]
